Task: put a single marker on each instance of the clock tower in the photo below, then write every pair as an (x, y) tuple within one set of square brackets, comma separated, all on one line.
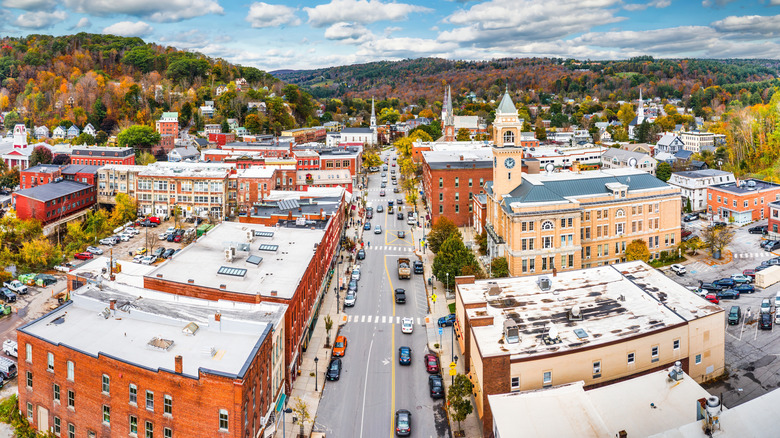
[(507, 157)]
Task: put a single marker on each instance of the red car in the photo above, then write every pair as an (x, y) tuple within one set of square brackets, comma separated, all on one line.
[(749, 273), (431, 363), (83, 256), (177, 239), (712, 298), (154, 220)]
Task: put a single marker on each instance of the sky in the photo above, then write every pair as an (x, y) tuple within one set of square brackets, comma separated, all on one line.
[(308, 34)]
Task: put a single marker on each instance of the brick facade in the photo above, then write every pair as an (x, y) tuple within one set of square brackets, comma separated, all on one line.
[(100, 156), (30, 204), (450, 191)]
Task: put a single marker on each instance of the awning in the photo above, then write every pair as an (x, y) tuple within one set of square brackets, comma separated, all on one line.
[(280, 403)]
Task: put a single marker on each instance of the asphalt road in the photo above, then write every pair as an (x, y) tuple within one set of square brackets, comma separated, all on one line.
[(373, 385)]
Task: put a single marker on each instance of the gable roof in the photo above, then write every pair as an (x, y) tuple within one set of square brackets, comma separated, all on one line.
[(682, 154), (54, 190)]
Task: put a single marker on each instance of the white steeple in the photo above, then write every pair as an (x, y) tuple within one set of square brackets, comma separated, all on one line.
[(373, 115), (640, 113)]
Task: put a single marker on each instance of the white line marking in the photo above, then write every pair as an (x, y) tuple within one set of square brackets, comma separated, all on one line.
[(363, 318), (365, 388), (383, 319)]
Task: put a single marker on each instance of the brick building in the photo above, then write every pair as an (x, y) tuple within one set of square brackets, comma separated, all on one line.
[(306, 135), (38, 175), (743, 201), (292, 265), (85, 173), (168, 128), (773, 227), (599, 325), (451, 179), (119, 360), (254, 184), (221, 138), (102, 155), (198, 188), (55, 201)]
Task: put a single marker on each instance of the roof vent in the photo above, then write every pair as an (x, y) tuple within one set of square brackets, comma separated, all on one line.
[(230, 253), (208, 351), (575, 314), (676, 373), (190, 329), (494, 289), (545, 283), (511, 332), (160, 344)]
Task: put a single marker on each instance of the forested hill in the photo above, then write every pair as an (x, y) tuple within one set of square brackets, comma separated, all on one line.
[(423, 78), (107, 80)]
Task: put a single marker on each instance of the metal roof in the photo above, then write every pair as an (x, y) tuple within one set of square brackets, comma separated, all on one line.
[(506, 106), (54, 190)]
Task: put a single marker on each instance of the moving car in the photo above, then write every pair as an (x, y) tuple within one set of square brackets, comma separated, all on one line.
[(383, 185), (447, 320), (760, 229), (735, 314), (349, 300), (678, 269), (334, 369), (401, 234), (405, 356), (83, 256), (378, 229), (407, 325), (379, 209), (418, 267), (690, 217), (340, 346), (94, 250), (361, 254), (431, 363), (436, 386), (403, 419), (367, 226), (382, 193), (400, 296), (400, 216), (765, 321), (728, 294), (399, 201), (396, 190)]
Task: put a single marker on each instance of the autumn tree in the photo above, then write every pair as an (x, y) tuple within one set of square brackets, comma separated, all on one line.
[(40, 155), (463, 135), (38, 254), (626, 114), (499, 268), (146, 159), (441, 230), (637, 250), (125, 210), (717, 238), (371, 159)]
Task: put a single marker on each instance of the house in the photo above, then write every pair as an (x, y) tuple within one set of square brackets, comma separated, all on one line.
[(670, 143), (232, 124), (73, 132), (614, 158), (240, 83), (698, 165), (742, 202), (59, 132), (694, 184), (221, 89), (41, 132), (212, 128), (260, 106), (89, 129), (207, 109), (184, 153)]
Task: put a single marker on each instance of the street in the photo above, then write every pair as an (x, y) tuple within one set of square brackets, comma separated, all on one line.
[(373, 385)]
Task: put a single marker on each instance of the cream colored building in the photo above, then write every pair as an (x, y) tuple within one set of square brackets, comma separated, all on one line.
[(598, 325), (117, 178)]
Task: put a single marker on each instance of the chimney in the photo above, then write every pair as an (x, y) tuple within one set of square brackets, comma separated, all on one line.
[(112, 304), (555, 272), (461, 158), (217, 317), (178, 366)]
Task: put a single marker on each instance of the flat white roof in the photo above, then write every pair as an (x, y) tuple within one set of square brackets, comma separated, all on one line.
[(617, 302), (257, 172), (141, 315), (542, 177), (131, 273), (285, 256), (570, 411), (181, 169)]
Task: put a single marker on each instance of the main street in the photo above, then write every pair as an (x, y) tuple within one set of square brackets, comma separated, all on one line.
[(373, 385)]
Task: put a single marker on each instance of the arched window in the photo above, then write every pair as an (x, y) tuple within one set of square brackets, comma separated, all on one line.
[(620, 213), (509, 137), (547, 225)]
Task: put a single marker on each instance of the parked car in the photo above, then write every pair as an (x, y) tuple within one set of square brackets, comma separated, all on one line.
[(168, 253), (735, 314), (719, 224), (94, 250), (334, 369), (153, 219), (685, 233), (725, 283), (349, 300), (775, 245), (436, 386), (766, 306), (353, 286), (760, 229), (745, 288), (140, 251), (123, 237), (678, 269), (690, 217), (356, 273), (739, 278), (407, 325), (178, 238), (405, 355), (7, 295), (749, 273), (367, 226), (447, 320), (159, 251), (83, 256), (10, 348), (403, 419), (431, 363), (148, 260), (728, 294), (7, 368), (361, 254), (712, 298), (340, 346), (163, 236), (108, 241), (765, 321), (766, 243)]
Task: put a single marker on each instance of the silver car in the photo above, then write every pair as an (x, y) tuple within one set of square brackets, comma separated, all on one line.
[(94, 250)]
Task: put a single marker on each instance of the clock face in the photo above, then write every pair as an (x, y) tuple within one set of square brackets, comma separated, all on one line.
[(509, 163)]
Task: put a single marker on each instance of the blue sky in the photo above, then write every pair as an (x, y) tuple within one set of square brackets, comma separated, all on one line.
[(319, 33)]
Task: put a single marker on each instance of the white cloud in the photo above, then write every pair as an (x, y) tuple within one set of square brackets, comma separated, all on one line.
[(715, 3), (348, 33), (360, 11), (264, 15), (154, 10), (84, 22), (40, 19), (406, 48), (30, 5), (750, 24), (128, 28), (642, 6)]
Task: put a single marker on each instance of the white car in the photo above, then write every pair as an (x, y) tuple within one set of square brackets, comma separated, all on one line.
[(123, 237), (678, 269), (131, 230), (138, 259), (163, 236), (349, 300), (94, 250), (407, 325), (108, 241), (148, 260)]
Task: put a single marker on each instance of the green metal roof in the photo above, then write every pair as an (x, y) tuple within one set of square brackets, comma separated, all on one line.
[(506, 106)]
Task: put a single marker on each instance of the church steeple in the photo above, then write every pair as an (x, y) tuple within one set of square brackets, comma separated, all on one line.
[(640, 113), (448, 118), (373, 115)]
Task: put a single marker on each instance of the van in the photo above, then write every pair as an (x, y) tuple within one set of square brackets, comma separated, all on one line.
[(9, 347), (7, 368), (735, 314)]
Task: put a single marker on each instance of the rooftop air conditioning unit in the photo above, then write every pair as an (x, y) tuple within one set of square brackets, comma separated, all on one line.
[(545, 283), (250, 236), (511, 332), (230, 253)]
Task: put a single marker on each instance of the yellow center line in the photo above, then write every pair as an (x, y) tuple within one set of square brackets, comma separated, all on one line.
[(392, 351)]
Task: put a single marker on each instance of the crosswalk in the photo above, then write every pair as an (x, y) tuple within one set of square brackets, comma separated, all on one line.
[(389, 248), (753, 255), (380, 319)]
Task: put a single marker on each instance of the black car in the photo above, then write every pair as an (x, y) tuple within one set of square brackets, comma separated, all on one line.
[(418, 267), (396, 190), (745, 288), (334, 369), (761, 267), (405, 356), (719, 224), (691, 217), (168, 253), (361, 254), (765, 321), (728, 294), (171, 237), (7, 295), (710, 287), (436, 386), (399, 201), (403, 422), (760, 229), (400, 296), (772, 246), (400, 216), (725, 282)]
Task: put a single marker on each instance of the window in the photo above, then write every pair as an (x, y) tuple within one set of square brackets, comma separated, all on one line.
[(457, 181), (223, 419), (620, 213), (470, 183), (106, 414), (597, 369), (149, 429), (619, 228), (698, 359), (167, 433), (630, 358), (71, 430), (133, 394), (457, 207), (457, 196), (106, 384), (547, 379), (547, 242), (29, 411), (50, 362), (441, 183), (654, 353), (676, 344), (57, 426), (168, 405), (509, 137), (29, 380), (133, 424), (28, 353), (70, 370), (150, 400), (441, 209), (515, 383), (441, 197), (71, 399), (547, 225), (56, 390)]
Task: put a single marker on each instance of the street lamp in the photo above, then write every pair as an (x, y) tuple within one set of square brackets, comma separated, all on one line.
[(456, 363), (315, 372), (447, 285), (284, 425)]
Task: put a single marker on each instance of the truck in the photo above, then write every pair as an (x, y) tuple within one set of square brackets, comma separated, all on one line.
[(404, 268), (16, 286), (9, 347)]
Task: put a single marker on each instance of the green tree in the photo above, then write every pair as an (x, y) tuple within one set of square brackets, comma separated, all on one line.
[(301, 411), (253, 123), (225, 127), (388, 116), (40, 155), (453, 257), (499, 268), (146, 159), (459, 398), (11, 119), (328, 327), (688, 205), (101, 137), (83, 138), (138, 136), (463, 135), (637, 250), (482, 242), (441, 230), (663, 171)]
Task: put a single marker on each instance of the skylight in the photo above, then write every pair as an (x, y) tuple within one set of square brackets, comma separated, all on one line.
[(234, 272)]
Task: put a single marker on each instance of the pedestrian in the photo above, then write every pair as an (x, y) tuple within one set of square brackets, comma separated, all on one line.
[(369, 244)]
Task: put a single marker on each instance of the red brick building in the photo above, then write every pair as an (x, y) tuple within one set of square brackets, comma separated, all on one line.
[(152, 371), (101, 155), (222, 138), (451, 179), (254, 184), (83, 173), (774, 219), (742, 202), (168, 127), (54, 201), (38, 175)]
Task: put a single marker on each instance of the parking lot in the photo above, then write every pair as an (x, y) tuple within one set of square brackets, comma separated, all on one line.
[(752, 365), (149, 238)]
